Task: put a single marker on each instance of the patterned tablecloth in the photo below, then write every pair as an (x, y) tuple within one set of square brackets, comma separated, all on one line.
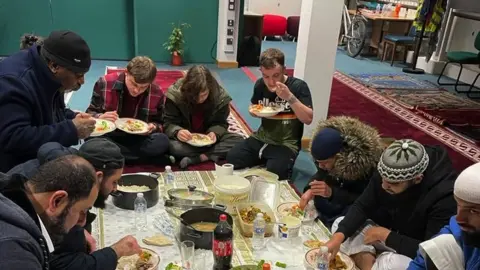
[(114, 223)]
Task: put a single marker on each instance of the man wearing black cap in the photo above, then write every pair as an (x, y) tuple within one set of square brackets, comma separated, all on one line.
[(32, 107), (346, 152)]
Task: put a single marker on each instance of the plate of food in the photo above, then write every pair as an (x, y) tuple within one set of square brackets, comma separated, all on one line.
[(102, 127), (200, 140), (265, 111), (132, 126), (290, 209), (147, 260), (341, 261)]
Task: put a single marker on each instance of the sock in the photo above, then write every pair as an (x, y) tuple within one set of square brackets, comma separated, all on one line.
[(187, 161)]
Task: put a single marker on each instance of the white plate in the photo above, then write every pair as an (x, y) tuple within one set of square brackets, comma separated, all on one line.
[(267, 113), (310, 260), (200, 143), (99, 123), (123, 262), (283, 209), (121, 122)]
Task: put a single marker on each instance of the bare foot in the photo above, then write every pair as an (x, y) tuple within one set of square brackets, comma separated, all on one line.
[(364, 260)]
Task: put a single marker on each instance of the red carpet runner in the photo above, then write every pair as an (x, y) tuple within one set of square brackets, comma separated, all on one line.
[(392, 120)]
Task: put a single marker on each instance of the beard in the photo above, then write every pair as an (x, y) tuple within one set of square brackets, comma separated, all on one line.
[(471, 239), (100, 202), (56, 225)]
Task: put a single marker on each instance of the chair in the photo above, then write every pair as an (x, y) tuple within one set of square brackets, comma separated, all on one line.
[(397, 40), (274, 25), (293, 24), (463, 58)]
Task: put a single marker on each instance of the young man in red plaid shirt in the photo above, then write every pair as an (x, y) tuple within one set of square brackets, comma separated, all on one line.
[(133, 94)]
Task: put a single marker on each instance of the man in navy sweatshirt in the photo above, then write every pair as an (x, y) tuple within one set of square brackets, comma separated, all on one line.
[(32, 87)]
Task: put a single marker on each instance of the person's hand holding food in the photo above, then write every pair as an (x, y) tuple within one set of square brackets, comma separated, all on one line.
[(334, 244), (150, 128), (126, 246), (85, 124), (320, 188), (212, 136), (306, 197), (111, 116), (283, 91), (184, 135)]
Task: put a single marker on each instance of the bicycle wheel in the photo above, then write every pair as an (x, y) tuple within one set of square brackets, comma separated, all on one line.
[(357, 33)]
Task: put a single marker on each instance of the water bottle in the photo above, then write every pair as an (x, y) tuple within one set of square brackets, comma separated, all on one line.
[(321, 260), (378, 10), (140, 208), (169, 178), (258, 238), (309, 216)]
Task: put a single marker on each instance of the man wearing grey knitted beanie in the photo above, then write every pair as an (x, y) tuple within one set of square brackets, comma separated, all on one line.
[(457, 245), (407, 201)]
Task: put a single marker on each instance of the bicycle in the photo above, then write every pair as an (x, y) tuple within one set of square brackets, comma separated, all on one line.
[(354, 32)]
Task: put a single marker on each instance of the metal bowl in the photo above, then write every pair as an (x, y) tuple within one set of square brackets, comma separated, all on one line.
[(190, 197)]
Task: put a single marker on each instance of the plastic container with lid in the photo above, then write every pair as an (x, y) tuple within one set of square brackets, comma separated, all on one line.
[(265, 191), (247, 228), (231, 190)]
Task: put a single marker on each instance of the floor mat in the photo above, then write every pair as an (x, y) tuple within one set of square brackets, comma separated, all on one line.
[(164, 79), (442, 107), (393, 120), (393, 81)]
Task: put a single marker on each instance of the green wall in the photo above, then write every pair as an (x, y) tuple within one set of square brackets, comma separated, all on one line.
[(114, 29), (154, 18)]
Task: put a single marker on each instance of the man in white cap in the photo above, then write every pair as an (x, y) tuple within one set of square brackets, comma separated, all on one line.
[(407, 201), (458, 244)]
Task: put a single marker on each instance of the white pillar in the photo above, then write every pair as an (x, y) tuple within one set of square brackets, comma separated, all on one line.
[(227, 53), (316, 50)]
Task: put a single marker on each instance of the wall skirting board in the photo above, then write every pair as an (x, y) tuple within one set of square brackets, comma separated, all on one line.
[(227, 64)]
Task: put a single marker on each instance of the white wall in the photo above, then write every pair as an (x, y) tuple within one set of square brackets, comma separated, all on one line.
[(278, 7), (464, 32)]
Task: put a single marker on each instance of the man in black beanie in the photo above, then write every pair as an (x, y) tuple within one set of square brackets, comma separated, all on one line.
[(32, 107)]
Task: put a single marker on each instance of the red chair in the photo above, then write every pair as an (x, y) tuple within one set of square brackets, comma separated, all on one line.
[(274, 25), (293, 24)]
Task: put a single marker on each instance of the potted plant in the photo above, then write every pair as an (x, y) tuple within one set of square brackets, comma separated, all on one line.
[(175, 43)]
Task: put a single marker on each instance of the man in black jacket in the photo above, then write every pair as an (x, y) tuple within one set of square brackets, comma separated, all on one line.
[(407, 202), (347, 152), (32, 87), (36, 213)]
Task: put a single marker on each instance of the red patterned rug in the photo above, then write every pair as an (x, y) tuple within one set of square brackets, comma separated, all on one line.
[(349, 97), (164, 79)]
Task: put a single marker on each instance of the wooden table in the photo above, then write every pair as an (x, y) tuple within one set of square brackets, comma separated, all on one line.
[(381, 25)]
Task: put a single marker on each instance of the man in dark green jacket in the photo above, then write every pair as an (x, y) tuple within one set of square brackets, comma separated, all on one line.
[(197, 104)]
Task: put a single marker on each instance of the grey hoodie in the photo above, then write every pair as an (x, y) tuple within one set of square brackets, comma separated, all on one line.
[(22, 245)]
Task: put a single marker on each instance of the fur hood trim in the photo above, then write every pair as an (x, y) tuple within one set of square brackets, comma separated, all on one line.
[(361, 151)]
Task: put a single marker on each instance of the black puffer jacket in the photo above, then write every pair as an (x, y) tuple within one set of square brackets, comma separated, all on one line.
[(354, 166)]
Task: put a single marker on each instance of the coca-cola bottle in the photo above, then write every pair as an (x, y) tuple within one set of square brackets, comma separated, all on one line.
[(222, 245)]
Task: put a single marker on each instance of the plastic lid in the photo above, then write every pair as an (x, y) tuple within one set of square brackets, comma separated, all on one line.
[(260, 215), (167, 168), (266, 266), (139, 194), (223, 217), (324, 249)]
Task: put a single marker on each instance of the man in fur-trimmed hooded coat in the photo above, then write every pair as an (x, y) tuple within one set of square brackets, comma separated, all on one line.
[(346, 152)]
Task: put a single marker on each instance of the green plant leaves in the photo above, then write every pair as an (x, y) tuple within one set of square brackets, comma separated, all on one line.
[(176, 41)]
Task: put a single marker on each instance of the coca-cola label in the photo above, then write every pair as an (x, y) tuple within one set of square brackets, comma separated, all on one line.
[(222, 248)]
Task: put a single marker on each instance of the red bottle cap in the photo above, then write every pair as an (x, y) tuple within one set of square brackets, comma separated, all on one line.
[(266, 266), (223, 217)]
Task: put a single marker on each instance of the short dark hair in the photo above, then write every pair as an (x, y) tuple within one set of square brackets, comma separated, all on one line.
[(142, 69), (272, 57), (70, 173)]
